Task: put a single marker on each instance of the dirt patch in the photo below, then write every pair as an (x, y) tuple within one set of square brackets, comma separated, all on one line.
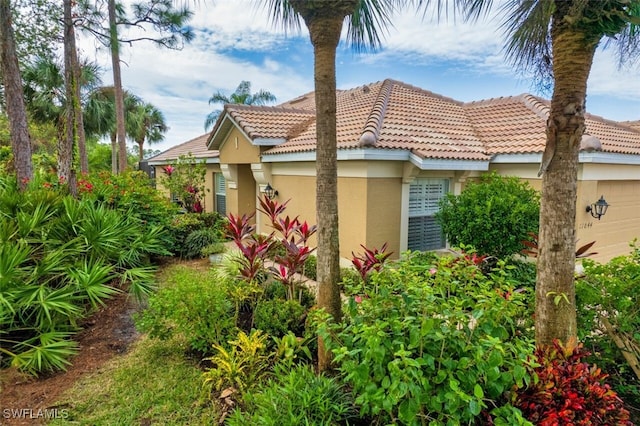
[(107, 333)]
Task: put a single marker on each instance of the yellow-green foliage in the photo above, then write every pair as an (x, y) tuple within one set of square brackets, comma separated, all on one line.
[(244, 366)]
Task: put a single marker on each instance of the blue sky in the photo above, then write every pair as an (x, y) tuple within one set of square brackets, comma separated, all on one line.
[(235, 41)]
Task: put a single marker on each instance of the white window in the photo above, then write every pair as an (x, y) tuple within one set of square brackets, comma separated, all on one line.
[(424, 232), (220, 193)]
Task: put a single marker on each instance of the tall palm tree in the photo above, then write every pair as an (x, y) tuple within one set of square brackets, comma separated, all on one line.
[(242, 95), (45, 91), (100, 117), (324, 20), (558, 38), (16, 110), (148, 125)]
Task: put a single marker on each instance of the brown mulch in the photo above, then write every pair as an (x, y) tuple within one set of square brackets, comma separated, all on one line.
[(105, 334)]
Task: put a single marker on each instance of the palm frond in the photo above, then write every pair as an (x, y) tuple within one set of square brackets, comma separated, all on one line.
[(527, 26), (369, 20), (282, 14)]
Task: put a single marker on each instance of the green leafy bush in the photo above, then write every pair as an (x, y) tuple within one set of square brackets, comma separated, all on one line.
[(296, 397), (437, 342), (183, 225), (310, 266), (198, 240), (196, 306), (493, 215), (278, 316), (608, 304)]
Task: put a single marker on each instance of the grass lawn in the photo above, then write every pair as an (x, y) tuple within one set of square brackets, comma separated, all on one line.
[(153, 383)]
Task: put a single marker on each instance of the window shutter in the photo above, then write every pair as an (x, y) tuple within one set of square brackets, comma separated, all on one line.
[(424, 232)]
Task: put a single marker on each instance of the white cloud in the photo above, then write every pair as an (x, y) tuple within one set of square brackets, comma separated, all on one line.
[(235, 41)]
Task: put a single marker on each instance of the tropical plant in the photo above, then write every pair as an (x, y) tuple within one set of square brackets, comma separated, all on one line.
[(296, 397), (436, 342), (60, 258), (608, 320), (100, 117), (185, 180), (149, 125), (324, 21), (242, 96), (567, 390), (558, 39), (50, 100), (241, 368), (492, 215)]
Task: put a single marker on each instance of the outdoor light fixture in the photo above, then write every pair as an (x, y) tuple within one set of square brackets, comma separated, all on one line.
[(599, 208), (270, 192)]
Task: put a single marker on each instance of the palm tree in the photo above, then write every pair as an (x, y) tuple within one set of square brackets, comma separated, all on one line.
[(16, 110), (324, 20), (558, 38), (148, 124), (45, 91), (242, 95), (100, 117)]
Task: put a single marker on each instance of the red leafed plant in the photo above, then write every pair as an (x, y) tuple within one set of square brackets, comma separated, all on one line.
[(569, 391), (371, 259)]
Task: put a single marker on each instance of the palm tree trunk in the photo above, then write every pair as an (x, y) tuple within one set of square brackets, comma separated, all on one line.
[(555, 288), (140, 153), (117, 87), (325, 34), (14, 98), (66, 143), (77, 105)]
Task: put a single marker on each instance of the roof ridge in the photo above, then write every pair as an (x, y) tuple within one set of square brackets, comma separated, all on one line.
[(373, 125), (618, 124), (269, 108)]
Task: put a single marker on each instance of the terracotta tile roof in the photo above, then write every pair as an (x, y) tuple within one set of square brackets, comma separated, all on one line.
[(269, 122), (392, 115), (517, 124), (196, 146)]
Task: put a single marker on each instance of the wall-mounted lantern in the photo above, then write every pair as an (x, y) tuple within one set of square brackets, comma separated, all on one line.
[(599, 208), (269, 192)]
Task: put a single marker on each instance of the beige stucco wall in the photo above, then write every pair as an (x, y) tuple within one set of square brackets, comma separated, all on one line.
[(618, 184), (384, 203), (368, 207), (236, 149)]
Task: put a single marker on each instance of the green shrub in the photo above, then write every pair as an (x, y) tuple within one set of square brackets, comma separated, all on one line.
[(493, 215), (196, 305), (130, 192), (60, 258), (310, 266), (183, 225), (296, 397), (440, 343), (277, 317), (607, 300), (198, 240)]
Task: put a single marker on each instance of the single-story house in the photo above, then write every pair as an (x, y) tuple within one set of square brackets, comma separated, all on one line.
[(400, 149)]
